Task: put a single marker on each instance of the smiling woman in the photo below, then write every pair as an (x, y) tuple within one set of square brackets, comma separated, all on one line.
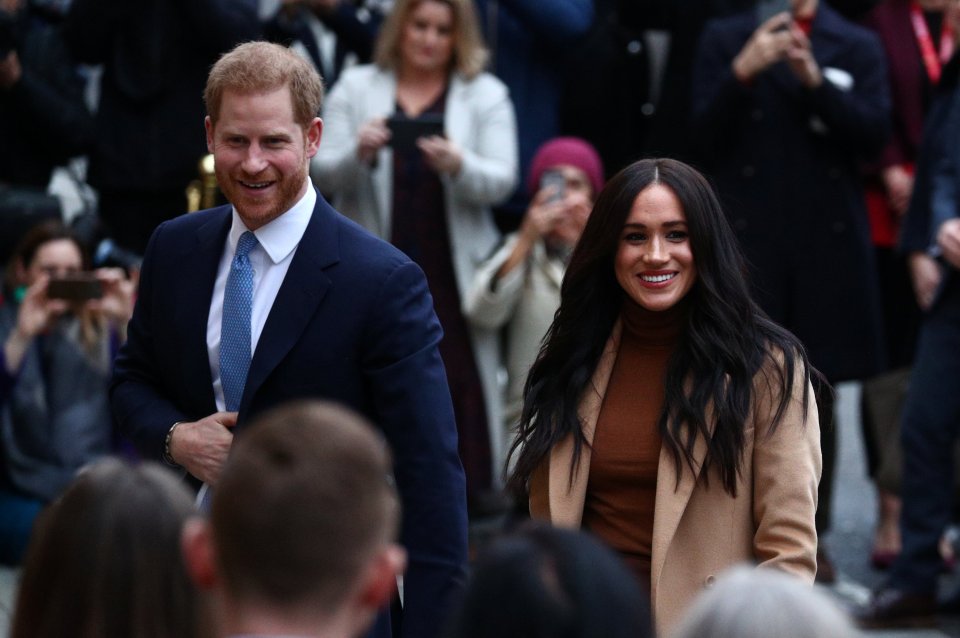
[(664, 402)]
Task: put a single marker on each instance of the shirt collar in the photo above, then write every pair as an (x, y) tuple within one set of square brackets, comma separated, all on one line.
[(282, 235)]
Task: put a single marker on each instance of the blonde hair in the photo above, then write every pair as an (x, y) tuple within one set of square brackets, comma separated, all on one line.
[(255, 67), (470, 55)]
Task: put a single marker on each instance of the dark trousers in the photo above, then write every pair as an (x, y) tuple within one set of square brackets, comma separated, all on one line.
[(931, 424)]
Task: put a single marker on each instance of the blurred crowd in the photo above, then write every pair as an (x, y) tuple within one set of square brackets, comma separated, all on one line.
[(476, 136)]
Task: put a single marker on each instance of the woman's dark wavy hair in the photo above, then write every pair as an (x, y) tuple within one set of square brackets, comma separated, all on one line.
[(727, 340)]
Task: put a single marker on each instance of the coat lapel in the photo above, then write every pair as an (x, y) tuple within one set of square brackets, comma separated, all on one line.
[(566, 496), (200, 259), (671, 502), (303, 288)]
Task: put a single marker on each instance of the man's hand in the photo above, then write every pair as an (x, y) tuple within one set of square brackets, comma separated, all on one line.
[(10, 71), (35, 315), (118, 295), (899, 185), (800, 59), (201, 447), (441, 154), (926, 275), (948, 238), (544, 214), (767, 46)]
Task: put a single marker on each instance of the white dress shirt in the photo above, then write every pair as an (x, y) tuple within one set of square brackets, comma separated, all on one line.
[(270, 260)]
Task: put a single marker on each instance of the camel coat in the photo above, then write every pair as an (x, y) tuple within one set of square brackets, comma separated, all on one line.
[(699, 530)]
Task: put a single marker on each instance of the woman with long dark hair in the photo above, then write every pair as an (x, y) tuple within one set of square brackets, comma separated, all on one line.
[(665, 412)]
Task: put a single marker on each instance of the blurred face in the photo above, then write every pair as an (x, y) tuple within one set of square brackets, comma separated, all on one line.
[(54, 259), (426, 44), (261, 153), (578, 200), (953, 14), (654, 262)]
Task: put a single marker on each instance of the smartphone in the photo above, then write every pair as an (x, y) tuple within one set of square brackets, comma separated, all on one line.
[(81, 286), (766, 9), (404, 131), (555, 179)]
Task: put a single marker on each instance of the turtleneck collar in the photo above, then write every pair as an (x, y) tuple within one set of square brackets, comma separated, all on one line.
[(649, 328)]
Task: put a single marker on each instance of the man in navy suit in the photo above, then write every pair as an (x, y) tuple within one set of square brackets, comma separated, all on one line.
[(330, 312)]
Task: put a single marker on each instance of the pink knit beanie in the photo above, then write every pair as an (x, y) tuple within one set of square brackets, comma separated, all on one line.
[(566, 150)]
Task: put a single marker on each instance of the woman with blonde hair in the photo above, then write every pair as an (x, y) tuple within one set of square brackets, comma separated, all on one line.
[(417, 148)]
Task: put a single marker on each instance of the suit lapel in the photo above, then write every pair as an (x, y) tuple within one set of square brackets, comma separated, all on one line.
[(303, 287), (199, 261)]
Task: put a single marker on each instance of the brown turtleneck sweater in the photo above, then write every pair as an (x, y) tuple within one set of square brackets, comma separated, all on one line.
[(622, 487)]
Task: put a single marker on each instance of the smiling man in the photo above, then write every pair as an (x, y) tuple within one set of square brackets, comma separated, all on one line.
[(276, 297)]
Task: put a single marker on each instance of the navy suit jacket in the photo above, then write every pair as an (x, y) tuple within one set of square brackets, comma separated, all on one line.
[(353, 322)]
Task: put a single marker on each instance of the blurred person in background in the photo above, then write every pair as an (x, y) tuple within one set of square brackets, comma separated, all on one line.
[(528, 40), (302, 534), (431, 196), (918, 42), (155, 56), (333, 34), (518, 288), (43, 118), (785, 110), (930, 427), (54, 374), (546, 582), (105, 561)]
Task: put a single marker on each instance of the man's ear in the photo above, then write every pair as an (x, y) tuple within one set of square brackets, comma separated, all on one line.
[(196, 545), (208, 125), (314, 133), (380, 579)]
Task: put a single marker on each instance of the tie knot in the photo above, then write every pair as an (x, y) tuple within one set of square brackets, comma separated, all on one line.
[(247, 242)]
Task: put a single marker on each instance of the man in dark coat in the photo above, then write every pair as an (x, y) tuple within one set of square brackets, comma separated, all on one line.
[(787, 109), (155, 56), (931, 415)]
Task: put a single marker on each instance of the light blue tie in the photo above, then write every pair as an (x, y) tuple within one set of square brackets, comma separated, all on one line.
[(235, 326)]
